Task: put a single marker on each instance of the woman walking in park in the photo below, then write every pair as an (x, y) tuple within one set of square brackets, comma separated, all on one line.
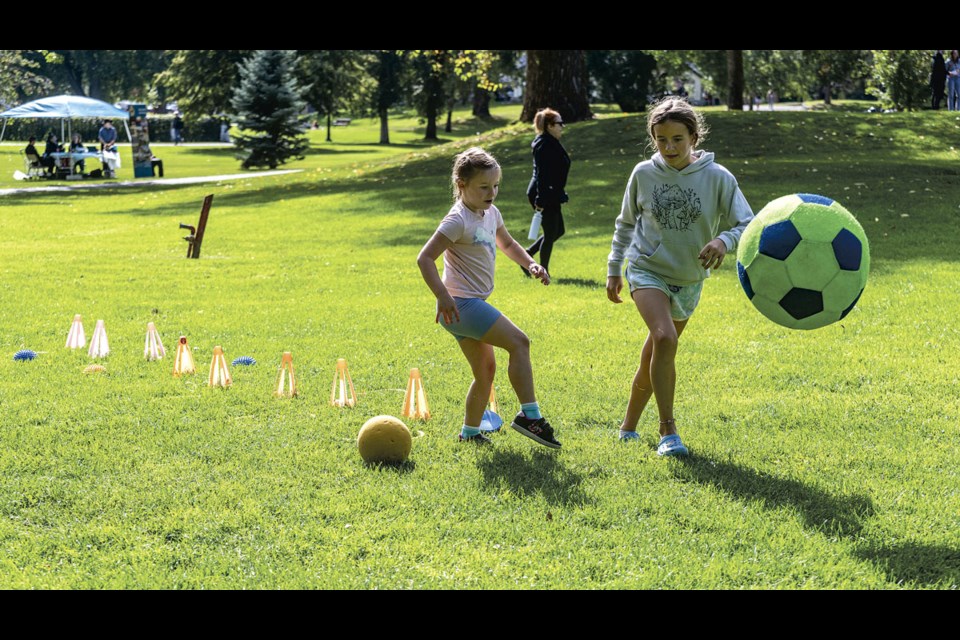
[(681, 214), (551, 164), (953, 81), (468, 238)]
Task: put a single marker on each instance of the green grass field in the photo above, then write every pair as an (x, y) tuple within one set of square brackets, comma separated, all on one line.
[(821, 460)]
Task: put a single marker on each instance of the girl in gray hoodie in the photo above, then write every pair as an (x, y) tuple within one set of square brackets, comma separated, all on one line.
[(681, 214)]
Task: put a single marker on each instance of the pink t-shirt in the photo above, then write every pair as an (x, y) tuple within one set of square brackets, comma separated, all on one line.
[(468, 265)]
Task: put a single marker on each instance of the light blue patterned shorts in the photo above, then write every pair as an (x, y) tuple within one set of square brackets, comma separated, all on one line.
[(683, 300)]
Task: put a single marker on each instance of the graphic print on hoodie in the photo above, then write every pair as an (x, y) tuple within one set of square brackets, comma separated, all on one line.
[(675, 208)]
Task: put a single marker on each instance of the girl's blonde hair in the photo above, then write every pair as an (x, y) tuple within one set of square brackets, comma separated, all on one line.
[(544, 118), (470, 163), (673, 109)]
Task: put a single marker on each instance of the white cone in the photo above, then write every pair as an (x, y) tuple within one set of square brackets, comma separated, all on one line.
[(152, 346), (99, 347), (76, 339)]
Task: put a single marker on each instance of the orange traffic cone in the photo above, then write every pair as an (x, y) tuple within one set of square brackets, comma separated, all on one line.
[(415, 400), (183, 363), (219, 374), (343, 383), (286, 375)]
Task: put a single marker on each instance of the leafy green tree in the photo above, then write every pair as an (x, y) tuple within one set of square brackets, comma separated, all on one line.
[(505, 64), (834, 68), (672, 64), (557, 78), (334, 80), (723, 69), (109, 75), (268, 103), (19, 77), (387, 68), (432, 68), (901, 78), (622, 76), (202, 81)]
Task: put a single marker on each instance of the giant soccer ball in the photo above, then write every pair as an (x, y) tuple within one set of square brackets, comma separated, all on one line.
[(384, 439), (803, 261)]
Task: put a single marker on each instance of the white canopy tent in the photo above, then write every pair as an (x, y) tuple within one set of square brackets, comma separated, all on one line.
[(66, 108)]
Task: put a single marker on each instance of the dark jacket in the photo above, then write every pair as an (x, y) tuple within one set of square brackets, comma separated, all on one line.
[(551, 164), (52, 147), (938, 71)]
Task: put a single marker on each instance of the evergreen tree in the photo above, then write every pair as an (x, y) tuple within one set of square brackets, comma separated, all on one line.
[(268, 103)]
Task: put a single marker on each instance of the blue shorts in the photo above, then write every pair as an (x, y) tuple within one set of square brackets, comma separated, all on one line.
[(683, 300), (476, 318)]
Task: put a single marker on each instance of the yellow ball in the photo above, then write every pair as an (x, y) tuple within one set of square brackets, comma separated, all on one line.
[(384, 439)]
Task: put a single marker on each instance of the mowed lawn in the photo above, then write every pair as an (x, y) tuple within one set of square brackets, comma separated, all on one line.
[(825, 459)]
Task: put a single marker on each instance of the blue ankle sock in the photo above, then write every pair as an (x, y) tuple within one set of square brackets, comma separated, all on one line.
[(469, 432), (531, 410)]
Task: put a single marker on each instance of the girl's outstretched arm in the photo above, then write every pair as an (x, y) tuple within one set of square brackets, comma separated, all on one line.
[(515, 251), (427, 261)]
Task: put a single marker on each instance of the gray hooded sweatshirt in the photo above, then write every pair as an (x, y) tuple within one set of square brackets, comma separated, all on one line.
[(668, 216)]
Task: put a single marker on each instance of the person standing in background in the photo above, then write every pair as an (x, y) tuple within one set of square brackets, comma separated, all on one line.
[(953, 81), (551, 166), (938, 79)]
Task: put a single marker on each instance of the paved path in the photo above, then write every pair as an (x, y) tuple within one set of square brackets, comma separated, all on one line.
[(160, 182)]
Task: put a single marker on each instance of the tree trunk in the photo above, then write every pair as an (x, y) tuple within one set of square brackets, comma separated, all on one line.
[(384, 128), (735, 80), (481, 103), (329, 126), (74, 75), (556, 78), (433, 106), (449, 127), (826, 94)]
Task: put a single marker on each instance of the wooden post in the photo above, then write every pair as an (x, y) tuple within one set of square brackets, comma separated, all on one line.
[(195, 239)]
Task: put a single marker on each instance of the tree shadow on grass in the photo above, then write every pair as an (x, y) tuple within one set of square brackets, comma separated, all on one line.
[(580, 282), (540, 472), (821, 511), (929, 565)]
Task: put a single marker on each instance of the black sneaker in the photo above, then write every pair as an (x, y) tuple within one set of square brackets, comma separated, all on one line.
[(477, 439), (539, 430)]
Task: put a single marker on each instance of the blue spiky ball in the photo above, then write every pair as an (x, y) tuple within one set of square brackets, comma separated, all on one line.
[(244, 360), (24, 355)]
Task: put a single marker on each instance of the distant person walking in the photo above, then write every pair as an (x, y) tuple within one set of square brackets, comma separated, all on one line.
[(551, 165), (177, 128), (953, 81), (938, 79), (771, 98)]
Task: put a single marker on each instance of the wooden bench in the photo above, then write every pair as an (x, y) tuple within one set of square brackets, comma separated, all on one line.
[(341, 122)]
